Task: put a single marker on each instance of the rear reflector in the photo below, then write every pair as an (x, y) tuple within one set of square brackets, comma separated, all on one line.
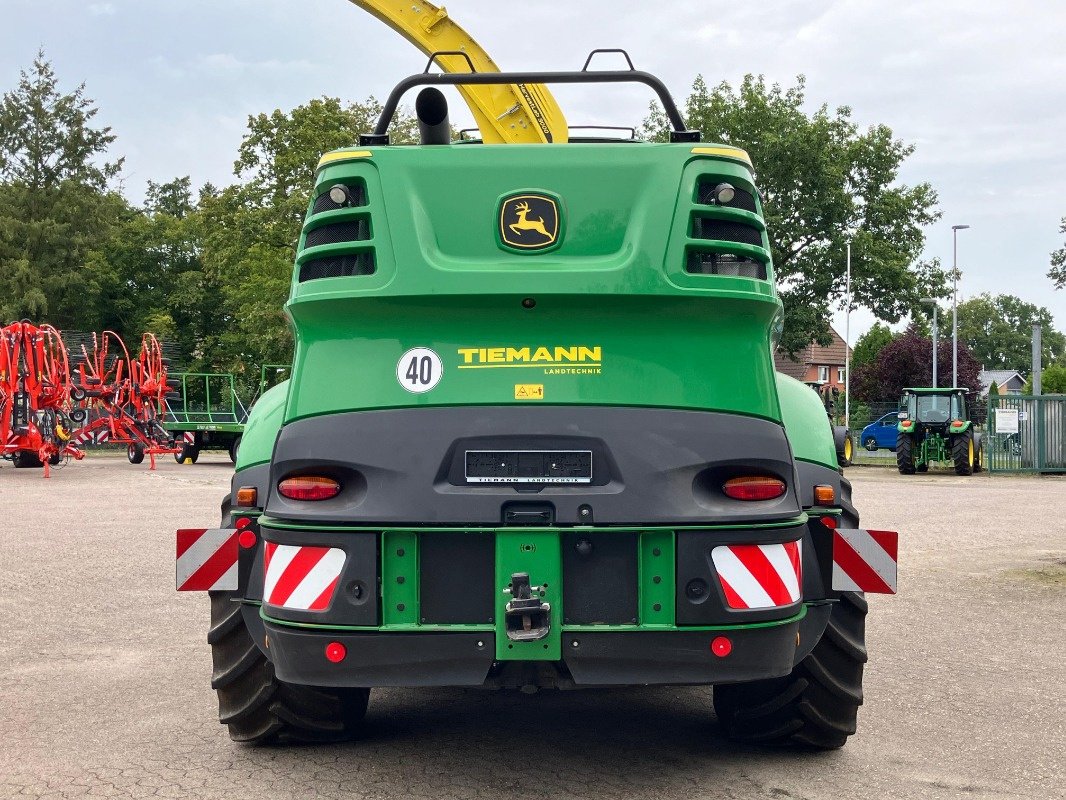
[(309, 487), (759, 487), (335, 652), (721, 646)]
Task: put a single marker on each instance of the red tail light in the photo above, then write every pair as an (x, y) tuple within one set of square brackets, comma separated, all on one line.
[(309, 487), (907, 423), (754, 487)]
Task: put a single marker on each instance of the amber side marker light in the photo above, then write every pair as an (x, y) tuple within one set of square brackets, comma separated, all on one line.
[(824, 495), (754, 487), (247, 496), (309, 487)]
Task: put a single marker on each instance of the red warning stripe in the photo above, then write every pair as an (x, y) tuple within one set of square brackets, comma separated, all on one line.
[(206, 559), (864, 561)]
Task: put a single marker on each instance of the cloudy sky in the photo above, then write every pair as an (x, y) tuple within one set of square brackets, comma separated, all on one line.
[(979, 87)]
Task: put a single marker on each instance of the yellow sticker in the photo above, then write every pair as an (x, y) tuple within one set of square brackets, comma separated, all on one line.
[(529, 391)]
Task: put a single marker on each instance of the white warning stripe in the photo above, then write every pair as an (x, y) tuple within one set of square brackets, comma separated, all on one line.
[(208, 560), (300, 577), (280, 557), (759, 576), (318, 579), (740, 579), (865, 561)]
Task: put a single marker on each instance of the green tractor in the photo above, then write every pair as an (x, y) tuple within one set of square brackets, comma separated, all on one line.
[(534, 438), (934, 428)]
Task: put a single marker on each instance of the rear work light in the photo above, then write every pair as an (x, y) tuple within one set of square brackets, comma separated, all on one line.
[(755, 487), (309, 487)]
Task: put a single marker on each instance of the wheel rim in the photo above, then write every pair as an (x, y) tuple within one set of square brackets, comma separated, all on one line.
[(847, 449), (871, 443), (970, 452)]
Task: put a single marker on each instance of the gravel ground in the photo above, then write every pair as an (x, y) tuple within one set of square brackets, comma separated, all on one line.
[(105, 670)]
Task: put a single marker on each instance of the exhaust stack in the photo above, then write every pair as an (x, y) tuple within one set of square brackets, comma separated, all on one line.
[(431, 108)]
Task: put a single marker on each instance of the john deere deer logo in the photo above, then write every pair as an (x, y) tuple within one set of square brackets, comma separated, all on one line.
[(529, 222)]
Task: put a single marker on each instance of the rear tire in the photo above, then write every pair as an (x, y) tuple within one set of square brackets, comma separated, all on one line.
[(188, 451), (24, 459), (234, 448), (135, 453), (253, 703), (817, 704), (962, 453), (847, 454), (260, 709), (905, 454), (978, 464)]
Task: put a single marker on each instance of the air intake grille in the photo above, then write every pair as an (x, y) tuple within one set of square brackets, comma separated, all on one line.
[(323, 203), (338, 266), (725, 264), (742, 199), (724, 230), (351, 231)]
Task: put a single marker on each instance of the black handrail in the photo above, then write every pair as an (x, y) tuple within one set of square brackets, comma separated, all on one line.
[(381, 132)]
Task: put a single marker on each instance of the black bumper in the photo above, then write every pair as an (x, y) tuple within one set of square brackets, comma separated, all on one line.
[(617, 658)]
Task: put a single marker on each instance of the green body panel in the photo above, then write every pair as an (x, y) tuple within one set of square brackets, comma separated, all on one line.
[(805, 422), (262, 427), (616, 286)]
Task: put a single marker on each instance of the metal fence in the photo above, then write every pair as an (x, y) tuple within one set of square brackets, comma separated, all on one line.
[(1026, 434)]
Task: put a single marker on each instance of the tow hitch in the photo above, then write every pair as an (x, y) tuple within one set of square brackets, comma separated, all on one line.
[(528, 619)]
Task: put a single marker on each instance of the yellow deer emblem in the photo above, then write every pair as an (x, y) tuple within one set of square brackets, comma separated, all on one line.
[(524, 224)]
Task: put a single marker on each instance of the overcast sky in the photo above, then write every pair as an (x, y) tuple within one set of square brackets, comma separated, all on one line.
[(979, 87)]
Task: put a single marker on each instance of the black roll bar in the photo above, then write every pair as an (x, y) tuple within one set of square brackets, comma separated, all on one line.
[(381, 131)]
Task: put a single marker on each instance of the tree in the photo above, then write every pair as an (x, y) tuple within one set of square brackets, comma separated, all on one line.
[(998, 330), (1052, 380), (870, 344), (823, 180), (251, 228), (55, 204), (1057, 273), (908, 361)]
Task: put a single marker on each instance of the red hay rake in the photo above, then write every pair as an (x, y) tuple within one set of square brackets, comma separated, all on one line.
[(37, 412), (126, 396)]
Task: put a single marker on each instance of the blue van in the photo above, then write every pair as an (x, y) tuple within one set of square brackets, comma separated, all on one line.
[(880, 433)]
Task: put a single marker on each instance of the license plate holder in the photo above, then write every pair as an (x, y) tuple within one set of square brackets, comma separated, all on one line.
[(528, 466)]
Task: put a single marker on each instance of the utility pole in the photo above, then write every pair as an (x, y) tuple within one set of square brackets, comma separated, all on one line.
[(955, 304), (930, 301), (847, 345), (1037, 365)]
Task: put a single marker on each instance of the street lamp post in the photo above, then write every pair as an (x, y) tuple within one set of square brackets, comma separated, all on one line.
[(955, 303), (929, 301)]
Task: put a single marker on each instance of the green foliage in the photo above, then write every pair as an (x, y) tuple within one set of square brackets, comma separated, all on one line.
[(821, 178), (1057, 273), (870, 344), (999, 329), (251, 229), (1052, 380), (993, 389), (55, 205), (908, 361)]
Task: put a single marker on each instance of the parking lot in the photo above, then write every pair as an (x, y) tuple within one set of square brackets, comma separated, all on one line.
[(105, 671)]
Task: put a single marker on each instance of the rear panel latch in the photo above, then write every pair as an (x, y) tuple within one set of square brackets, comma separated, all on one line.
[(528, 618)]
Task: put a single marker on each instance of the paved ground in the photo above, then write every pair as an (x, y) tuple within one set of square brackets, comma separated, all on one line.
[(104, 669)]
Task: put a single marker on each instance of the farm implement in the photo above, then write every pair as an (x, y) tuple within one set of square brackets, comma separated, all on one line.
[(37, 399), (126, 396)]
